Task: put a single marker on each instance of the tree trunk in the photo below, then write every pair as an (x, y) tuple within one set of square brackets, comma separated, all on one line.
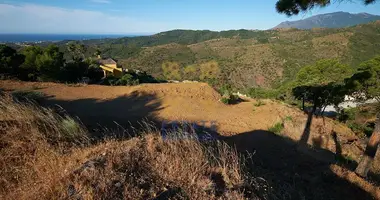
[(303, 103), (370, 151), (323, 110)]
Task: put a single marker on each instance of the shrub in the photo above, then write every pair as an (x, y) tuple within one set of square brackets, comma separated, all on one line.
[(259, 103), (262, 93), (277, 128), (225, 100), (127, 79), (171, 70), (288, 118), (347, 114), (110, 80), (230, 99)]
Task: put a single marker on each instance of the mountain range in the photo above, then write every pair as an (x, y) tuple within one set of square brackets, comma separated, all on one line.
[(330, 20)]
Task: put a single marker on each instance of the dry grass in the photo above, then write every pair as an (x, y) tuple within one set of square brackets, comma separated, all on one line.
[(47, 156)]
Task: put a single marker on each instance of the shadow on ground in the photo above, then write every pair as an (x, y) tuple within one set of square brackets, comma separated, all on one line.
[(118, 117), (293, 170)]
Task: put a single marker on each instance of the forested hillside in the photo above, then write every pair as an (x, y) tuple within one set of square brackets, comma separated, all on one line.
[(240, 58)]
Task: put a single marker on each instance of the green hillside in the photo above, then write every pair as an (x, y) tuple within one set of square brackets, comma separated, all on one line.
[(243, 58)]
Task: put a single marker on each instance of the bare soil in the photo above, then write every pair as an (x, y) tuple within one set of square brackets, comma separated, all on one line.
[(326, 162)]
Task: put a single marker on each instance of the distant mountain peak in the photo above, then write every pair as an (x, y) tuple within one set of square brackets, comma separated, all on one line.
[(338, 19)]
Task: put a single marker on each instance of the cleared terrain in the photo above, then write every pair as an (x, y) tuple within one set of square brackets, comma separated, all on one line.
[(290, 167)]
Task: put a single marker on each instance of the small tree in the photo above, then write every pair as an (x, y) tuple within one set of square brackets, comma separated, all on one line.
[(209, 70), (10, 60), (321, 84), (171, 70), (365, 84), (49, 63), (28, 70)]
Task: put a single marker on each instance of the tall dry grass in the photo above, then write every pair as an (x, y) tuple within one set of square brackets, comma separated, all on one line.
[(47, 156)]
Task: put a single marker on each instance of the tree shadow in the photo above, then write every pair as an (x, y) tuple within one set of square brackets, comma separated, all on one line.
[(293, 173), (119, 117)]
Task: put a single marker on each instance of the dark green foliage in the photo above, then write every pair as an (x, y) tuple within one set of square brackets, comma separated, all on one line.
[(110, 80), (49, 63), (74, 71), (28, 70), (143, 77), (322, 84), (347, 114), (262, 93), (366, 80), (293, 7), (354, 117), (41, 64), (225, 89), (10, 60), (127, 79), (95, 73), (131, 78), (230, 99)]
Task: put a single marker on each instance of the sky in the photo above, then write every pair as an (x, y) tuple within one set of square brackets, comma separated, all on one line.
[(150, 16)]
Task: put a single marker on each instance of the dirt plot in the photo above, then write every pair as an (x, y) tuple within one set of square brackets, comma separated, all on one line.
[(279, 158)]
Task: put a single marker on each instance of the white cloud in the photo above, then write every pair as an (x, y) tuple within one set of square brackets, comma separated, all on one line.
[(101, 1), (31, 18)]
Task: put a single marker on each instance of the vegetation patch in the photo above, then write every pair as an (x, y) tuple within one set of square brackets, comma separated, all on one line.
[(277, 128), (46, 156), (28, 95), (259, 103)]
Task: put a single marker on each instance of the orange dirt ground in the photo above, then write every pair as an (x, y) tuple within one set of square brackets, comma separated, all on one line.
[(197, 102)]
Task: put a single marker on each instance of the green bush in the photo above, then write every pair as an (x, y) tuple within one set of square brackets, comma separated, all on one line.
[(229, 99), (262, 93), (259, 103), (362, 130), (225, 100), (127, 79), (277, 128), (110, 80), (347, 114)]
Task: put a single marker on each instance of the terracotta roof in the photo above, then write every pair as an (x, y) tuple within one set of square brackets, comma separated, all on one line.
[(108, 61)]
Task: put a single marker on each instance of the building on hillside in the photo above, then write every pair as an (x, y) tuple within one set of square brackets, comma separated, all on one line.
[(110, 68)]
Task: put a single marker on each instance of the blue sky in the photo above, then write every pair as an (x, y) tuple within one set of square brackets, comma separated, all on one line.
[(149, 16)]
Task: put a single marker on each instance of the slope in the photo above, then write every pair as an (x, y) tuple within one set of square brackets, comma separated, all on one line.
[(330, 20)]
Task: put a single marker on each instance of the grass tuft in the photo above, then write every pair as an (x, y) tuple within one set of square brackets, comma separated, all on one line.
[(277, 128), (47, 156)]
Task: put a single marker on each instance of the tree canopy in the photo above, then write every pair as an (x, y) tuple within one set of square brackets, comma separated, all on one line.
[(10, 60), (293, 7), (322, 84), (367, 80)]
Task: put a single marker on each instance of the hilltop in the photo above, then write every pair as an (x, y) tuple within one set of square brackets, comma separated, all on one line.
[(330, 20)]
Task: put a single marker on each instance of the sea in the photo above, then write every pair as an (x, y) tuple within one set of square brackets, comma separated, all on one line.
[(4, 38)]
